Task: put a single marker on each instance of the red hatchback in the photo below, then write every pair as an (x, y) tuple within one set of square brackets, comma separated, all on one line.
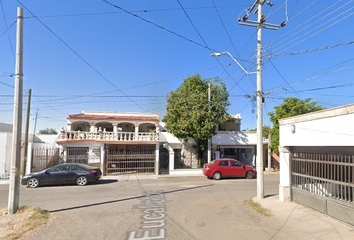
[(228, 168)]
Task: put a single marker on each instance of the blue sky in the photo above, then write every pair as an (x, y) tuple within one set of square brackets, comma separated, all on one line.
[(90, 55)]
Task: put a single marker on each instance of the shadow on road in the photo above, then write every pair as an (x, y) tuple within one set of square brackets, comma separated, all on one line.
[(126, 199)]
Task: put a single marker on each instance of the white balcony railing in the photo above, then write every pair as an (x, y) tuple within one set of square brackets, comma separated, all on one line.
[(109, 136)]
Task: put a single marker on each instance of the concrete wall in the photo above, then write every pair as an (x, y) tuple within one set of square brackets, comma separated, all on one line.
[(326, 131), (5, 153), (234, 138)]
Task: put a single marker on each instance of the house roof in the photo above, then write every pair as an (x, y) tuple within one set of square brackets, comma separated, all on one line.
[(104, 116), (331, 112)]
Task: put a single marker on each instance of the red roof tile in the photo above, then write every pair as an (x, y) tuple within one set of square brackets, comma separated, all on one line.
[(82, 116)]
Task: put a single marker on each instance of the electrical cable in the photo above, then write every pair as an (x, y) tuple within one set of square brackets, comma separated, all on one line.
[(294, 39), (12, 49), (78, 55), (285, 80), (227, 32), (211, 50)]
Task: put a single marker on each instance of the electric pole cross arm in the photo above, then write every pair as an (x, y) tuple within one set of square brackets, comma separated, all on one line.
[(219, 54)]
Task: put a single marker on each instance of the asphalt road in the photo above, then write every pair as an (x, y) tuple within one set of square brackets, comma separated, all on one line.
[(171, 207)]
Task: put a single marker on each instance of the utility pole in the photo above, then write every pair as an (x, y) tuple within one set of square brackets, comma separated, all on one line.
[(14, 187), (209, 140), (26, 132), (35, 124), (259, 94)]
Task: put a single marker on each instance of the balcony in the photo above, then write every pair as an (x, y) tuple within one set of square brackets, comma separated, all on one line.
[(73, 136)]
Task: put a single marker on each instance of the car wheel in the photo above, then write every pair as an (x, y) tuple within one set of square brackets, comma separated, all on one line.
[(81, 181), (249, 175), (217, 175), (32, 183)]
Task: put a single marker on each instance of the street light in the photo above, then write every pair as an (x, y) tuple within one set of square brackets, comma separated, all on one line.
[(218, 54)]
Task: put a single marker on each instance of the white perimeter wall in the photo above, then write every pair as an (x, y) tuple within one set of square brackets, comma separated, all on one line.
[(5, 152), (330, 131)]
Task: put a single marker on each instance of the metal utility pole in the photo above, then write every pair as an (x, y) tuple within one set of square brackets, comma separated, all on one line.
[(259, 24), (209, 140), (14, 188), (26, 132)]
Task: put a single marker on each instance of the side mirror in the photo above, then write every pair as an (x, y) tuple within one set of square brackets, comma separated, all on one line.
[(46, 172), (243, 166)]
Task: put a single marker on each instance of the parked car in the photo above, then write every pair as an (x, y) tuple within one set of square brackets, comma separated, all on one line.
[(68, 173), (228, 168)]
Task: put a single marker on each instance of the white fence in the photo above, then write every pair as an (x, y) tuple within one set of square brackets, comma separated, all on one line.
[(4, 171)]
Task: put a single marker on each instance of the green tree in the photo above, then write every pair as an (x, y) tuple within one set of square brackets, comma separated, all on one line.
[(265, 131), (48, 131), (189, 114), (290, 107)]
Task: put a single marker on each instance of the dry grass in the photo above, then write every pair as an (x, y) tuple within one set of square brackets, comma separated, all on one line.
[(26, 219), (258, 208)]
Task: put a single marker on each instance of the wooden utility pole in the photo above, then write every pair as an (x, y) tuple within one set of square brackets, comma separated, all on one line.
[(24, 162), (14, 187)]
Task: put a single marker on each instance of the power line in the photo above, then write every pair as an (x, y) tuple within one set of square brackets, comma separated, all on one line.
[(211, 50), (227, 32), (285, 80), (265, 50), (136, 11), (311, 50), (156, 25), (3, 12), (77, 54), (294, 39)]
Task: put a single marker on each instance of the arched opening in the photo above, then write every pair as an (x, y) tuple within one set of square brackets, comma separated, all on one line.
[(105, 125), (80, 126), (126, 127), (147, 127)]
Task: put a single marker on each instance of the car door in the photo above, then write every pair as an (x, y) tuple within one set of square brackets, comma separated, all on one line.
[(72, 173), (237, 169), (224, 167), (56, 175)]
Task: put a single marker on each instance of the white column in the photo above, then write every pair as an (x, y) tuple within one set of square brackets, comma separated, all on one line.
[(284, 186), (157, 151), (171, 158), (103, 155), (115, 128), (136, 132), (92, 127), (68, 127)]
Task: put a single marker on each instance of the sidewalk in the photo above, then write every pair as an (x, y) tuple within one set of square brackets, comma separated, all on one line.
[(304, 223)]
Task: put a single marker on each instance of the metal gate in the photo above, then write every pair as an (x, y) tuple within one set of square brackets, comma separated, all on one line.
[(43, 158), (324, 182), (164, 161), (76, 155), (130, 159)]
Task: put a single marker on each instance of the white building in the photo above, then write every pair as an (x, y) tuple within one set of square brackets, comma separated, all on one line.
[(316, 161)]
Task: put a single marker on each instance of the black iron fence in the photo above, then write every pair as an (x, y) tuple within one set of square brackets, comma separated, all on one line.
[(327, 175)]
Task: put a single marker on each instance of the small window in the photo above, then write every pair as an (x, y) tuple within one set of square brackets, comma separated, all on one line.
[(224, 163), (73, 168), (235, 164), (57, 169)]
